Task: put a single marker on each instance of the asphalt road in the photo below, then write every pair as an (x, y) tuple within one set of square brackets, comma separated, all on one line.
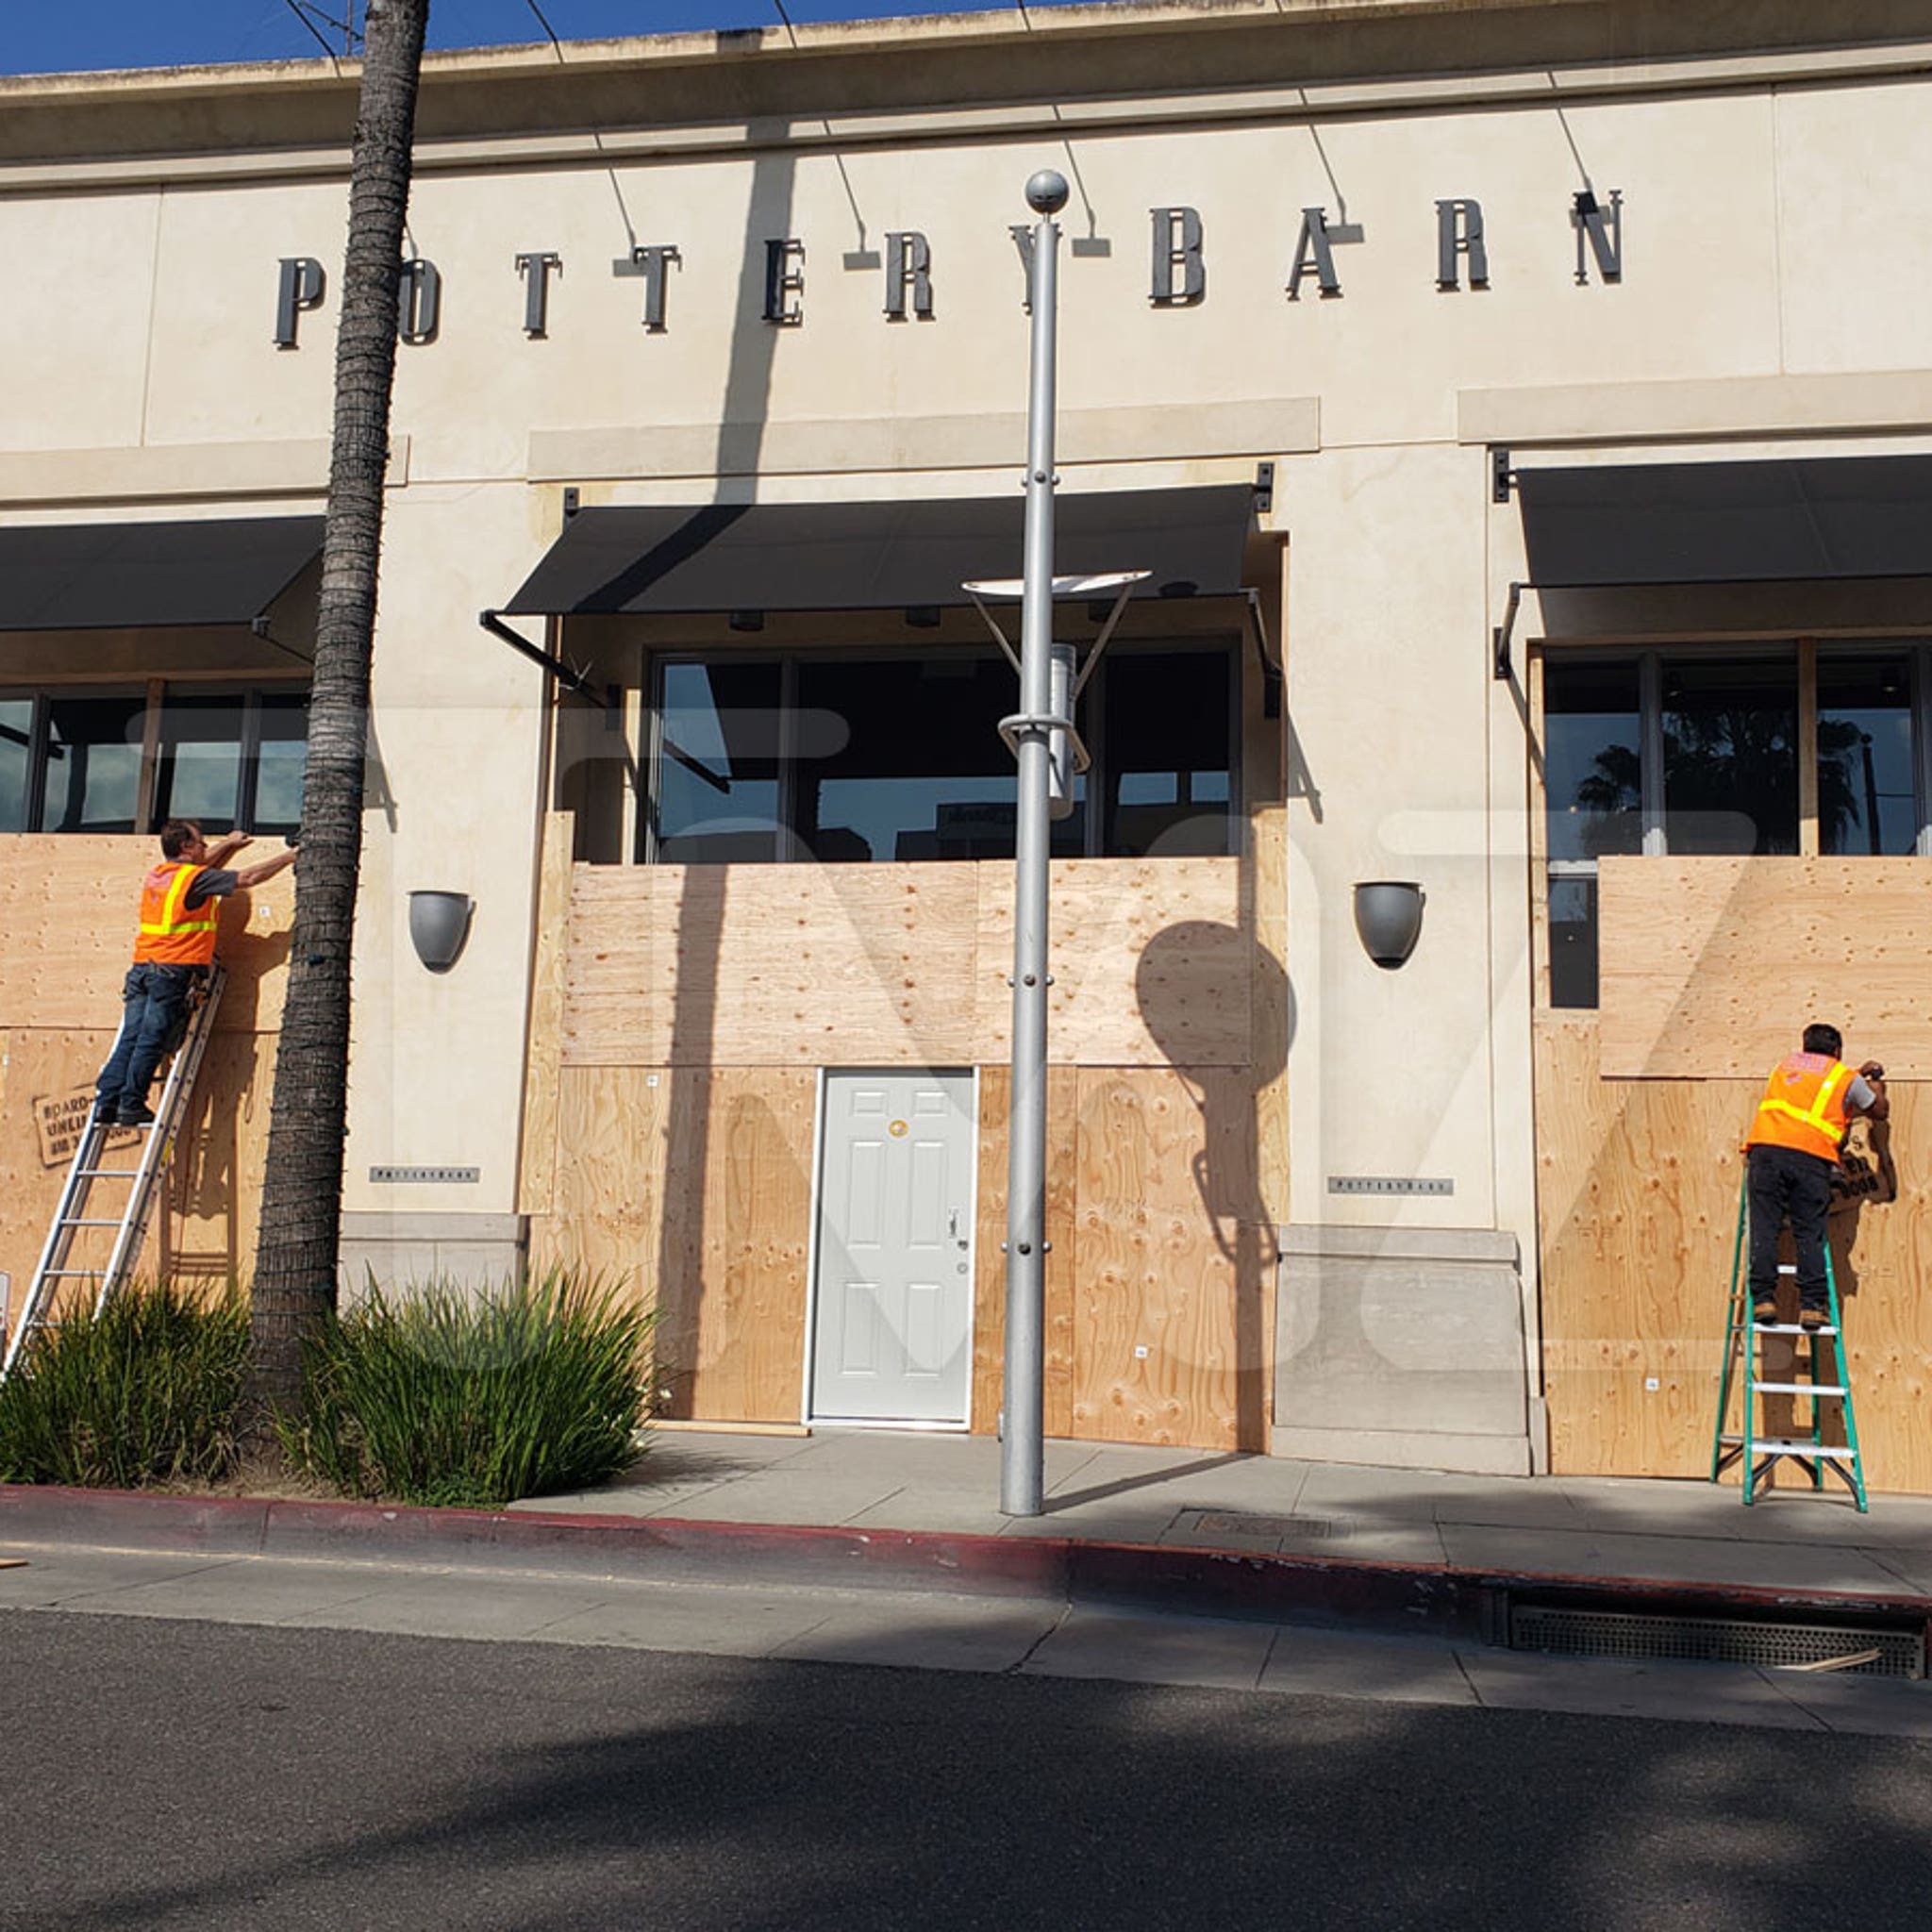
[(162, 1775)]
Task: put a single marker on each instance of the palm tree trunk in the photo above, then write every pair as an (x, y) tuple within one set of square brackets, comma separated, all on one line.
[(296, 1249)]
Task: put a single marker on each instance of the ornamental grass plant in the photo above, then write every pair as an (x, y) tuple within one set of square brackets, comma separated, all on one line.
[(440, 1394), (145, 1392)]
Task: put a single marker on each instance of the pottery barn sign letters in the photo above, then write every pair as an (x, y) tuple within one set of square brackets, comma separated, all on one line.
[(1177, 277)]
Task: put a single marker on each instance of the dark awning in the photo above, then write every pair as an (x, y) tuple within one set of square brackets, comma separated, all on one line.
[(128, 576), (878, 556), (1814, 518)]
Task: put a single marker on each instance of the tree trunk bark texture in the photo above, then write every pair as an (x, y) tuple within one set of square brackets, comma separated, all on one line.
[(297, 1248)]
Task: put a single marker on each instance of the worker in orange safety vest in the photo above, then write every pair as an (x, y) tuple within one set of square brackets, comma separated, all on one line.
[(173, 950), (1792, 1154)]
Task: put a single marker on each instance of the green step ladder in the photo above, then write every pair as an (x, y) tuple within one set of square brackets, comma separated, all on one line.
[(1829, 1382)]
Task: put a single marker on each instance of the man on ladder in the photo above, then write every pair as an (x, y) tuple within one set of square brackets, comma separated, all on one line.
[(173, 950), (1792, 1154)]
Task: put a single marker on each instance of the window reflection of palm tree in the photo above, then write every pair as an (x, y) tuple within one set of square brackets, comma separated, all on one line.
[(1720, 761)]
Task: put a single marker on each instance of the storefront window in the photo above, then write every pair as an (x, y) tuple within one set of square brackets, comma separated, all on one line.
[(870, 760), (1593, 759), (717, 790), (92, 764), (16, 761), (198, 776), (281, 765), (900, 759), (1867, 798), (1593, 777), (1730, 736), (1167, 753), (73, 762)]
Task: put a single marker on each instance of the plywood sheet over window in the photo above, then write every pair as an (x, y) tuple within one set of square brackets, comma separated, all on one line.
[(905, 965), (1712, 967), (1638, 1195), (69, 904), (206, 1228)]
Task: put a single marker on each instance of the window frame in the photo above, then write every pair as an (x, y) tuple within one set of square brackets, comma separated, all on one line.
[(655, 661)]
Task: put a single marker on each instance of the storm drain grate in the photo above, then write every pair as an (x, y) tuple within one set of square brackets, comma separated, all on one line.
[(1239, 1522), (1715, 1639)]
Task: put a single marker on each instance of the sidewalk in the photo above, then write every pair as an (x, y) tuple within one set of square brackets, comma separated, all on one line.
[(1198, 1533), (1686, 1533)]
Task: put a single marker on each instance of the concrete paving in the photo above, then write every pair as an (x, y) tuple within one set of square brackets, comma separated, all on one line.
[(917, 1630), (956, 1605), (1677, 1532)]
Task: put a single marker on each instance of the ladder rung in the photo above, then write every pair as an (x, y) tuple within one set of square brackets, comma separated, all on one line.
[(1785, 1445), (71, 1222), (1837, 1391), (1789, 1328), (109, 1174)]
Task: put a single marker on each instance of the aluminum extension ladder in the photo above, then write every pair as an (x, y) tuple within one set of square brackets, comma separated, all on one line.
[(1829, 1383), (58, 1270)]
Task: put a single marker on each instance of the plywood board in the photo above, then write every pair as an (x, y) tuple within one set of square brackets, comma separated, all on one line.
[(207, 1223), (1062, 1258), (1638, 1201), (801, 965), (70, 903), (902, 965), (734, 1241), (543, 1048), (1170, 1303), (1152, 964), (1712, 967)]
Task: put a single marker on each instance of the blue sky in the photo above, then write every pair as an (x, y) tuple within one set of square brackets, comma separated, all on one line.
[(58, 35)]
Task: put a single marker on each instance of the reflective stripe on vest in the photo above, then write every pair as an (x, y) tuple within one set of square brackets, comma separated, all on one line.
[(1780, 1124), (170, 935)]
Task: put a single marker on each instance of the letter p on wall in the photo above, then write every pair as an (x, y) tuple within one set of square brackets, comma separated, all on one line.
[(301, 287)]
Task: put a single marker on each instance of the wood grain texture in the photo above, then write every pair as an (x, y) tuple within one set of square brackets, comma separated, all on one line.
[(1155, 1317), (989, 1261), (1637, 1184), (1151, 963), (720, 1226), (902, 965), (1712, 967), (205, 1223), (543, 1047), (70, 902)]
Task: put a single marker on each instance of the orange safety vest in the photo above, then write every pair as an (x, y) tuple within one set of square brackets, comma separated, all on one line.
[(1804, 1106), (170, 935)]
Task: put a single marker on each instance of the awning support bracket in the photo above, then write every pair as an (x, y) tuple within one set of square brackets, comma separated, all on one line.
[(1500, 667), (570, 679)]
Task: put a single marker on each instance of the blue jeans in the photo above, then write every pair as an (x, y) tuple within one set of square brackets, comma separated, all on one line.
[(153, 1017)]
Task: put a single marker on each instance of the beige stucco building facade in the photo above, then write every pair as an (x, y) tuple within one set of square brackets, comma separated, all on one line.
[(1374, 264)]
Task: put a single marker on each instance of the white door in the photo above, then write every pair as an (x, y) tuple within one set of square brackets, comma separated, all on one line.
[(893, 1328)]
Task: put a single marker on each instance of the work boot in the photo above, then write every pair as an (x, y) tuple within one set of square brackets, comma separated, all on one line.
[(1811, 1320), (138, 1115), (1764, 1310)]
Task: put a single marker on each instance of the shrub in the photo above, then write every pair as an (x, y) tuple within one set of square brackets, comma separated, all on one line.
[(144, 1393), (436, 1395)]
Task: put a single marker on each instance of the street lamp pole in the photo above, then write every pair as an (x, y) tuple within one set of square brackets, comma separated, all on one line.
[(1022, 1445)]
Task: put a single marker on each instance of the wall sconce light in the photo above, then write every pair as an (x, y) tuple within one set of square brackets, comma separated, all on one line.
[(438, 924), (746, 620), (1388, 919)]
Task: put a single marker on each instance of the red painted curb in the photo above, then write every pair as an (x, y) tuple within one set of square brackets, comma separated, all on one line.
[(1436, 1597)]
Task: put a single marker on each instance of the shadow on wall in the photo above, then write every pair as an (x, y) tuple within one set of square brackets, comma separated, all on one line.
[(1181, 967)]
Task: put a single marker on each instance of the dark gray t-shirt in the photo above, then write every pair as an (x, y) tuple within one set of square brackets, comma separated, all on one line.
[(211, 882)]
